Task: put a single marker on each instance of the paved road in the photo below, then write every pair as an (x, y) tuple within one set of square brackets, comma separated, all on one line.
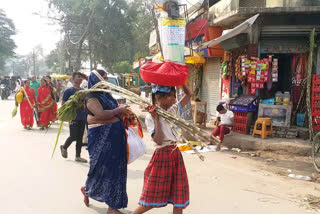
[(32, 183)]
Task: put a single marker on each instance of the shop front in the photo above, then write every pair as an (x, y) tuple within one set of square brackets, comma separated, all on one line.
[(275, 75), (265, 77), (205, 78)]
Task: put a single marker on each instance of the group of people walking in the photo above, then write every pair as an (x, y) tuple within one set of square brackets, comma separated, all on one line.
[(39, 102), (165, 178)]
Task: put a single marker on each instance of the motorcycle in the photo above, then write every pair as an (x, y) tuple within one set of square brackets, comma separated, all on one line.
[(4, 92)]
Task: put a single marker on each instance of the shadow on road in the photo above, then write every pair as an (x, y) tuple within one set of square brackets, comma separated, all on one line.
[(78, 163), (101, 210)]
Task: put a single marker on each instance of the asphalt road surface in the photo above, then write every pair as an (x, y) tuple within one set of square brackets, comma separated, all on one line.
[(32, 182)]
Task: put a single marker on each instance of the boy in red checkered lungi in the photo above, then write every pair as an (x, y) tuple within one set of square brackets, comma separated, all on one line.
[(165, 178)]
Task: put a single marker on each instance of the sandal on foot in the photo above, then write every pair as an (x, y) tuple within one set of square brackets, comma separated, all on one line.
[(64, 152), (85, 198), (81, 160)]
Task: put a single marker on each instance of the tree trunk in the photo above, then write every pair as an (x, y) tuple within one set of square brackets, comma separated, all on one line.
[(309, 80), (77, 66)]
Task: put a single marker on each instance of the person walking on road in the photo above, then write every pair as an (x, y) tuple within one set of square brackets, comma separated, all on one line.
[(53, 92), (165, 178), (35, 85), (76, 126), (107, 146), (26, 107), (44, 104)]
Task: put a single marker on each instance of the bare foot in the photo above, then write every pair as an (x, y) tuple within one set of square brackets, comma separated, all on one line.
[(218, 147), (212, 142), (113, 211)]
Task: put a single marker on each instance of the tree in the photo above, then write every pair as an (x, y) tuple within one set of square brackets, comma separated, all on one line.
[(56, 60), (142, 26), (7, 45), (105, 31), (122, 67)]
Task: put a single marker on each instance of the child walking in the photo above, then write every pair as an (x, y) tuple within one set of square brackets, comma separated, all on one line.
[(165, 178)]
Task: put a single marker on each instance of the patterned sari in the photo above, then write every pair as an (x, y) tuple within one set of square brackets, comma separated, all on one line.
[(45, 104), (107, 146), (26, 111)]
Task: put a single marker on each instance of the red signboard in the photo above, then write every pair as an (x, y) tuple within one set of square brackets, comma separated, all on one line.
[(200, 31)]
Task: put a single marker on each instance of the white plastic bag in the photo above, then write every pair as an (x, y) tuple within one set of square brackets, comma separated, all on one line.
[(137, 147)]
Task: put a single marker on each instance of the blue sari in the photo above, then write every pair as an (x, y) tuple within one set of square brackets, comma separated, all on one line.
[(107, 146)]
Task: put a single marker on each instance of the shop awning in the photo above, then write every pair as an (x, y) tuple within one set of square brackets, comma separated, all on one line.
[(227, 34)]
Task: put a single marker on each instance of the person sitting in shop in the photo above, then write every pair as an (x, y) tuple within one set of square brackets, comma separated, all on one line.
[(225, 122)]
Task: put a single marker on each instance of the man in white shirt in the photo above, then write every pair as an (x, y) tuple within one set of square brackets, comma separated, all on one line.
[(226, 122)]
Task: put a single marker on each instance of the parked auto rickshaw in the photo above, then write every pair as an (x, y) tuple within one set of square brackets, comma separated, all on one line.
[(131, 82)]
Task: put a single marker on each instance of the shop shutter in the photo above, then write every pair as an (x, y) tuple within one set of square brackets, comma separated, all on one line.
[(211, 86)]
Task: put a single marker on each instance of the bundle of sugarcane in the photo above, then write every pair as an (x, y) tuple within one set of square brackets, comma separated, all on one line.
[(196, 131), (68, 111)]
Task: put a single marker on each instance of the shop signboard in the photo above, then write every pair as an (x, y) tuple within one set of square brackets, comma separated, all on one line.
[(283, 46), (196, 42), (173, 35)]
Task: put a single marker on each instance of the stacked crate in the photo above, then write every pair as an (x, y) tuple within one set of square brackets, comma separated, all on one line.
[(242, 122), (315, 108)]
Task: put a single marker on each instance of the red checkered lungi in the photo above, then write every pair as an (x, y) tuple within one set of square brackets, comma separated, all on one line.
[(165, 180)]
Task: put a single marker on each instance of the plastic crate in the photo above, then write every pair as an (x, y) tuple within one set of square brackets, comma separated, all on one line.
[(315, 89), (240, 121), (315, 111), (316, 123), (239, 129), (315, 95), (240, 114), (316, 120), (316, 127), (315, 104), (316, 78), (249, 108)]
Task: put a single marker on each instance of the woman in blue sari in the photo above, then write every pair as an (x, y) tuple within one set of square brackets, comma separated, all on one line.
[(107, 146)]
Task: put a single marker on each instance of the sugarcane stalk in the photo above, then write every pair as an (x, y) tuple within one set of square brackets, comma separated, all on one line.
[(57, 139), (187, 142), (144, 103), (67, 111), (176, 120)]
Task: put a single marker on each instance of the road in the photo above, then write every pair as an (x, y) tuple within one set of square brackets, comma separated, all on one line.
[(32, 183)]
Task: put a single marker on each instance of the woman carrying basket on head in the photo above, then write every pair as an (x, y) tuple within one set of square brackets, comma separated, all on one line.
[(165, 178)]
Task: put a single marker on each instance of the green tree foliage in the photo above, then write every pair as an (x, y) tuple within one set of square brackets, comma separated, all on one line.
[(56, 60), (7, 45), (122, 67), (112, 30), (142, 26)]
